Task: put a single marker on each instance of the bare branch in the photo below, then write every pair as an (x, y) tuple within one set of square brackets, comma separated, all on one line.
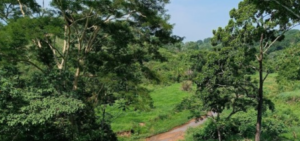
[(279, 37), (261, 40), (253, 66), (75, 82), (92, 39), (37, 42), (287, 8), (54, 50), (271, 43), (31, 63), (257, 57), (23, 60), (21, 8), (65, 47), (107, 19), (231, 114), (266, 76)]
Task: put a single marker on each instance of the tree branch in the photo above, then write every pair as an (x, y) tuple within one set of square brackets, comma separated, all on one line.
[(23, 60), (287, 8), (279, 37), (54, 50), (21, 8), (36, 66), (231, 114), (271, 43), (266, 76), (92, 39)]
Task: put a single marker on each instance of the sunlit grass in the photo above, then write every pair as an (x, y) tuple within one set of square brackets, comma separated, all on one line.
[(159, 119)]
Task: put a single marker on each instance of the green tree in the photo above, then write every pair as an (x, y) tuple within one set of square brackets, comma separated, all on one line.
[(174, 68), (76, 57), (191, 45), (288, 69), (256, 23), (224, 83)]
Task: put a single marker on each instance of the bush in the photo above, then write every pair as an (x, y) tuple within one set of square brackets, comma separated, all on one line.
[(240, 127), (186, 85)]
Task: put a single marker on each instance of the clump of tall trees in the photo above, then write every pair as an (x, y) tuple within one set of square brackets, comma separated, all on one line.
[(59, 63), (254, 25)]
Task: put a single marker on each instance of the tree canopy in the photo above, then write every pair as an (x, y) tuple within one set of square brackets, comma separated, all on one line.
[(60, 64)]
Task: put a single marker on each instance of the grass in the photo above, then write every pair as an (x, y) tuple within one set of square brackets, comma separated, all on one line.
[(159, 119), (286, 106), (163, 118), (286, 110), (292, 96), (270, 85)]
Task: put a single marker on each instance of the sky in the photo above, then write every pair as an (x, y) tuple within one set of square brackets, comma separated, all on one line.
[(195, 19)]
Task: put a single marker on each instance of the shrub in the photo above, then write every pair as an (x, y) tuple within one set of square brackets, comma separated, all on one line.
[(186, 85)]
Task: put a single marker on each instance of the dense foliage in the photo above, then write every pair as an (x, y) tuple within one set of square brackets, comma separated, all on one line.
[(65, 69), (59, 64)]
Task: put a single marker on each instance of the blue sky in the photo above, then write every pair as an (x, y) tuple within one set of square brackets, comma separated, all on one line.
[(195, 19)]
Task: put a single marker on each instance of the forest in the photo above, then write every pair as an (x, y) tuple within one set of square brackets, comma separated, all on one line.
[(107, 70)]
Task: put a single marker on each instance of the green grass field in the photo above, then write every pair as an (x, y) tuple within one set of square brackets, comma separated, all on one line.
[(159, 119)]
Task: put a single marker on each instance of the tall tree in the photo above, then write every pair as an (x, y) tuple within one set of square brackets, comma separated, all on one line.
[(75, 57), (259, 23)]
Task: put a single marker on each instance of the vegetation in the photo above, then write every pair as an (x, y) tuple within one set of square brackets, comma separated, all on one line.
[(96, 70), (280, 124), (253, 23), (162, 117), (59, 64)]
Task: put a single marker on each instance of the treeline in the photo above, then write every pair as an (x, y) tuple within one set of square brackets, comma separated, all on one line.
[(62, 67)]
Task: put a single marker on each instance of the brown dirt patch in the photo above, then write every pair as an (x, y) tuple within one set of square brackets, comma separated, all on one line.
[(178, 132), (142, 124), (124, 134)]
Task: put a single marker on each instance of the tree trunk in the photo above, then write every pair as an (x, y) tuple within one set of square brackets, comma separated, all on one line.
[(102, 123), (218, 127), (75, 83), (260, 95), (219, 134)]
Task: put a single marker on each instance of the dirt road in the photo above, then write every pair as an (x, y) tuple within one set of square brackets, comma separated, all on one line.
[(176, 133)]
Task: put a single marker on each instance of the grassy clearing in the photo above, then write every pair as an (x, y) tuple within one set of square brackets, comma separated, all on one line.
[(162, 118), (159, 119)]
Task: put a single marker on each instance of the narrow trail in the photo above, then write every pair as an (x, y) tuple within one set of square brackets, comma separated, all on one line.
[(176, 133)]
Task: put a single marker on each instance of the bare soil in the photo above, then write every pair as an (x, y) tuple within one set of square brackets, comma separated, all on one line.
[(176, 133)]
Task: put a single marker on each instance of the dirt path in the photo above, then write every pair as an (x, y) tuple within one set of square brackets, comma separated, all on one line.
[(176, 133)]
